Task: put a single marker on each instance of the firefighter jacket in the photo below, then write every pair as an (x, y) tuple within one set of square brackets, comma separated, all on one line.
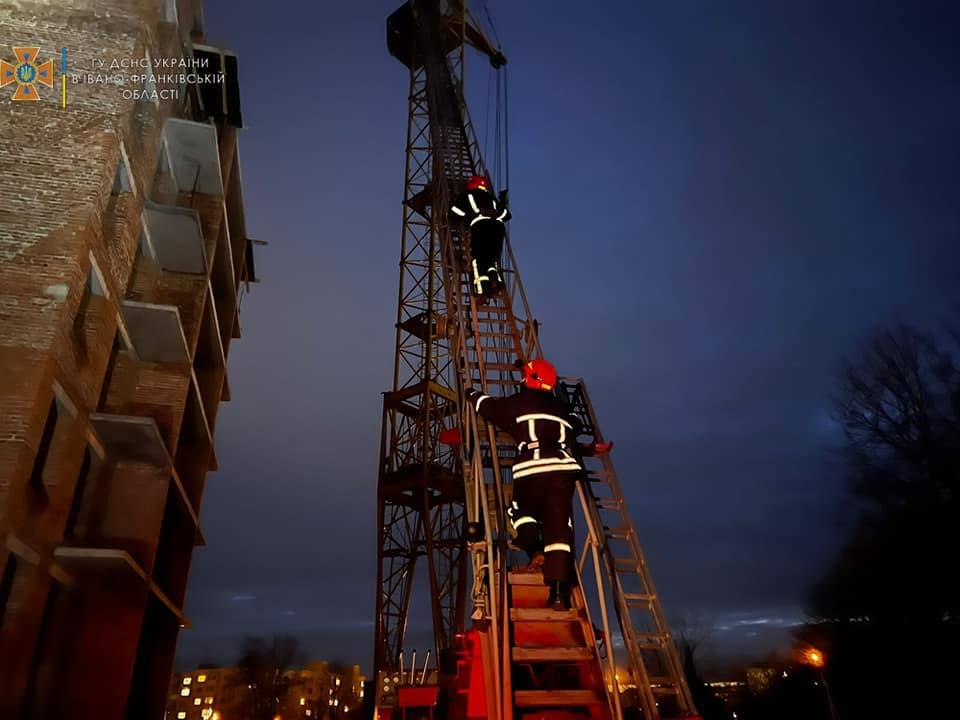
[(543, 426), (476, 206)]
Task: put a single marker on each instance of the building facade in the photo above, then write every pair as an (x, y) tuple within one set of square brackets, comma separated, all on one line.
[(319, 691), (123, 258)]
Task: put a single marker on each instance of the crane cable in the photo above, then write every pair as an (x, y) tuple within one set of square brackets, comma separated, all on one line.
[(496, 136), (506, 130), (486, 117), (501, 140)]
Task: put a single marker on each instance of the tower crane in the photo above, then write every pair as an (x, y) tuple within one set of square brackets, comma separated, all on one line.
[(442, 505)]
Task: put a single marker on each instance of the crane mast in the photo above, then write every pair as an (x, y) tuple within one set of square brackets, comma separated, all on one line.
[(421, 489)]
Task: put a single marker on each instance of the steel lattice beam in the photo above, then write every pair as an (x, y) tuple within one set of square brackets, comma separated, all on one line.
[(420, 488)]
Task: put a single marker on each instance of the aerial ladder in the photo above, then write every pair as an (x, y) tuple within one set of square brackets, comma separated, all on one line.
[(443, 504)]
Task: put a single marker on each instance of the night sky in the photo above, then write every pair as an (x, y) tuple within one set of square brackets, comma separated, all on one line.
[(713, 202)]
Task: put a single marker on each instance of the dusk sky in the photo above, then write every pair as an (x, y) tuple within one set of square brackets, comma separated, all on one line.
[(713, 203)]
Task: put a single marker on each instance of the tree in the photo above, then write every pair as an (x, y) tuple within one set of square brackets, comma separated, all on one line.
[(899, 406), (887, 610), (690, 636), (263, 665)]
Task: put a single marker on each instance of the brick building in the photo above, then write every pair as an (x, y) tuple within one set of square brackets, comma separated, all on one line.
[(319, 690), (123, 256)]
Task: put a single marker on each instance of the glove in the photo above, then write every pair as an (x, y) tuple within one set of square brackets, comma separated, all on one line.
[(602, 448), (450, 436)]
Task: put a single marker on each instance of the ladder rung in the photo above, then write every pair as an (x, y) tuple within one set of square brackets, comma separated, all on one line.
[(648, 646), (500, 366), (525, 578), (627, 564), (498, 350), (552, 654), (637, 598), (555, 698), (543, 615), (650, 641), (618, 533), (609, 503), (493, 348)]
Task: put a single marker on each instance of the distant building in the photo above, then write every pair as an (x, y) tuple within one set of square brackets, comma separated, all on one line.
[(123, 257), (207, 693), (729, 692), (320, 691), (761, 678)]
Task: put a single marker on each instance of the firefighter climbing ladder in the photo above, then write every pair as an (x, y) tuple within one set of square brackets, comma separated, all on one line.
[(447, 340)]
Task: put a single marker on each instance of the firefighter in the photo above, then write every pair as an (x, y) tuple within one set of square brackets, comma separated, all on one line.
[(479, 212), (545, 472)]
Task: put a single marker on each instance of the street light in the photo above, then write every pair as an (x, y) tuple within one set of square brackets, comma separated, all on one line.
[(813, 658), (817, 660)]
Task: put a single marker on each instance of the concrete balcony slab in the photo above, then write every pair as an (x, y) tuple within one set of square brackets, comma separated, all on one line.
[(176, 237), (156, 332)]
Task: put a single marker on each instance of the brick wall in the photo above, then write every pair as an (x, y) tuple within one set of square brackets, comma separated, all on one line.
[(97, 529)]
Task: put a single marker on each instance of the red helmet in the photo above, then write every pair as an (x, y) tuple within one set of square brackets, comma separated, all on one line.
[(539, 375), (478, 181)]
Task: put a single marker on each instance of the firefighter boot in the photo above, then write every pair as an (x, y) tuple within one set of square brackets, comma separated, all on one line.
[(495, 284), (559, 598)]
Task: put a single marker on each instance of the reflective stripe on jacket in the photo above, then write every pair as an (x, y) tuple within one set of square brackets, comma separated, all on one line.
[(543, 426)]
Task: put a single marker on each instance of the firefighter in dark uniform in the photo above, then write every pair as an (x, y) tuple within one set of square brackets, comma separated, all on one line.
[(545, 473), (479, 212)]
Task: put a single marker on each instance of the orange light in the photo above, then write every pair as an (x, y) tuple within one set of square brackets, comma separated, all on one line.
[(814, 658)]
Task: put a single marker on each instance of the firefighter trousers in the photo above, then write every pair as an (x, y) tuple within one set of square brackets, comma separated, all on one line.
[(486, 245), (541, 512)]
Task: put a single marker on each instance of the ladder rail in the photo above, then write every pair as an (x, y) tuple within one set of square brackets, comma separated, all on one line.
[(593, 543), (640, 568)]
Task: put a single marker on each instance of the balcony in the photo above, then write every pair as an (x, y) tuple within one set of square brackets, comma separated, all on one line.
[(120, 509), (156, 332), (131, 438), (193, 157), (176, 237)]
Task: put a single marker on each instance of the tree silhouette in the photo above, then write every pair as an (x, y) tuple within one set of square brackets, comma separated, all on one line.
[(263, 664), (690, 636), (886, 612)]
